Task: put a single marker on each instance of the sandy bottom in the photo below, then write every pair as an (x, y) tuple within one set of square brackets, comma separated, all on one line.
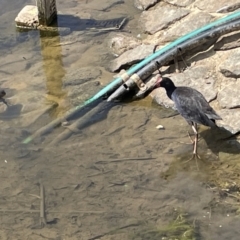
[(119, 178)]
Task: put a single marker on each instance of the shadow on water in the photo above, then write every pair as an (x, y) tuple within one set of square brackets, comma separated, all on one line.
[(221, 140), (78, 24), (53, 67)]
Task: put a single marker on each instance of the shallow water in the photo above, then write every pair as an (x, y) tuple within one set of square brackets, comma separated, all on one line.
[(118, 178)]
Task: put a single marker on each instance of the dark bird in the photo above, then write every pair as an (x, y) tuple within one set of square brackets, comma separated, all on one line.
[(2, 94), (191, 105)]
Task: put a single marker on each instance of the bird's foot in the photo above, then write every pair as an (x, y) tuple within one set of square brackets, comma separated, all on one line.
[(196, 157)]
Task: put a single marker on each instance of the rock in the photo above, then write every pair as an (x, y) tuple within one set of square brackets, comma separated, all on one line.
[(213, 5), (81, 76), (229, 96), (81, 84), (186, 25), (10, 66), (231, 66), (161, 17), (31, 117), (228, 41), (230, 120), (28, 17), (105, 5), (183, 3), (229, 8), (120, 43), (144, 4), (131, 57), (78, 94), (196, 77)]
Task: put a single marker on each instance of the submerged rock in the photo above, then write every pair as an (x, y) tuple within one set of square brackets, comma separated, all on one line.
[(81, 76), (81, 84)]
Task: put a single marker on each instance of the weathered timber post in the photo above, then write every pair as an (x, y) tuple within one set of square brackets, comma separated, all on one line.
[(47, 11)]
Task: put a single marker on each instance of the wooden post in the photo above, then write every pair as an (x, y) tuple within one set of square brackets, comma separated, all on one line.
[(47, 11)]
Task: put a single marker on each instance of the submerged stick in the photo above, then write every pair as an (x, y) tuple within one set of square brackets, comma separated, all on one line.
[(37, 211), (43, 221), (83, 122), (115, 230), (125, 159)]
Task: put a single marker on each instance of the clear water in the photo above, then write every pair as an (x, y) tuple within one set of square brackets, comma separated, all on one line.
[(118, 178)]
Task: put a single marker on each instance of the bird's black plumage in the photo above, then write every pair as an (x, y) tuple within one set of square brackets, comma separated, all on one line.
[(190, 103)]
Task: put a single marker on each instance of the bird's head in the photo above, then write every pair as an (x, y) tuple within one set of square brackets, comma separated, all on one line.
[(2, 93), (165, 82)]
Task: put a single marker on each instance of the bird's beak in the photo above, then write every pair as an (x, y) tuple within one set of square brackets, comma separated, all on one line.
[(158, 82)]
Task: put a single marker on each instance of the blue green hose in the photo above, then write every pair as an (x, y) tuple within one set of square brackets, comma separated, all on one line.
[(118, 81)]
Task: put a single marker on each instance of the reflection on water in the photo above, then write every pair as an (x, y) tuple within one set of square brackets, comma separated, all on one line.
[(119, 178), (53, 66)]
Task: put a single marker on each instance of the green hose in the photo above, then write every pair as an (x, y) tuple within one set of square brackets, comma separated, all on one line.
[(118, 81)]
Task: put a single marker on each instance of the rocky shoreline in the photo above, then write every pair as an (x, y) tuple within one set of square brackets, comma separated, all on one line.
[(213, 71)]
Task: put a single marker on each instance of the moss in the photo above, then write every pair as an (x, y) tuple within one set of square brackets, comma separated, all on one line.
[(178, 229)]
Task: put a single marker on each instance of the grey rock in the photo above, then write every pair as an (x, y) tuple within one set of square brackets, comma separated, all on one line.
[(229, 96), (105, 5), (161, 17), (230, 67), (183, 3), (122, 42), (144, 4), (229, 8), (188, 24), (81, 84), (230, 120), (31, 117), (131, 57), (213, 5), (11, 66), (77, 94), (198, 77), (81, 76), (228, 41)]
